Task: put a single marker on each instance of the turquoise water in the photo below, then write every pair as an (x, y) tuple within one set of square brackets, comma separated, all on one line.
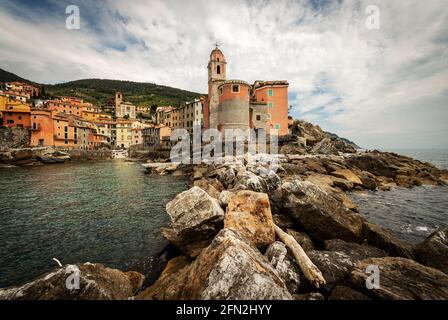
[(411, 214), (108, 212)]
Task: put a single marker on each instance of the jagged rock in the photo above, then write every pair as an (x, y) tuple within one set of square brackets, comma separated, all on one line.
[(402, 279), (343, 198), (320, 214), (322, 180), (228, 269), (433, 252), (347, 174), (357, 251), (335, 266), (96, 282), (346, 293), (325, 146), (195, 219), (224, 198), (303, 239), (343, 184), (249, 213), (383, 239), (314, 165), (291, 169), (199, 171), (376, 164), (249, 181), (170, 283), (211, 186), (226, 174), (309, 296), (368, 182), (285, 265), (403, 181)]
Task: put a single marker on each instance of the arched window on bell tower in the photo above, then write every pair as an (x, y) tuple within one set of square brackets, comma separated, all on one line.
[(218, 69)]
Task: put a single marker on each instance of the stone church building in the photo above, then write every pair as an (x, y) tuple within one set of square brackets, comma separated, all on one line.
[(236, 104)]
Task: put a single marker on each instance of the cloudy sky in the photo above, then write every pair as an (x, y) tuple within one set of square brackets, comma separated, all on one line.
[(383, 88)]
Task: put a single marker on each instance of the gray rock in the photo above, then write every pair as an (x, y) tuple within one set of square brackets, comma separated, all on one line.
[(196, 218), (277, 254), (433, 252), (320, 214), (402, 279), (335, 266), (228, 269), (249, 181), (96, 282)]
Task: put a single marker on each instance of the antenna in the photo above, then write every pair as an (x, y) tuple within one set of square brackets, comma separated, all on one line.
[(217, 44)]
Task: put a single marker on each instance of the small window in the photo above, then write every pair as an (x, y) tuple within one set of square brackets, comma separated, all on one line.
[(258, 117), (220, 90), (270, 92), (270, 104), (277, 126), (218, 59), (235, 88), (218, 69)]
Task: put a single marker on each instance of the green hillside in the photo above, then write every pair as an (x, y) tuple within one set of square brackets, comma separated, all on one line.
[(97, 91), (6, 76)]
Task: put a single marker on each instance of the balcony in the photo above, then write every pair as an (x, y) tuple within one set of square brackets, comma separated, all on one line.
[(35, 127)]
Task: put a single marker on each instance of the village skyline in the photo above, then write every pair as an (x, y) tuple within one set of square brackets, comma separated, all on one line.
[(383, 88)]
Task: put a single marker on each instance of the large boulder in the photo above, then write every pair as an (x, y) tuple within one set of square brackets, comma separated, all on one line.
[(96, 282), (320, 214), (402, 279), (228, 269), (283, 262), (347, 174), (196, 218), (249, 213), (335, 266), (212, 186), (433, 252), (383, 239), (247, 180)]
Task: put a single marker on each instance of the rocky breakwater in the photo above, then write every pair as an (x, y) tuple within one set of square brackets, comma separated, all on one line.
[(246, 231), (239, 255)]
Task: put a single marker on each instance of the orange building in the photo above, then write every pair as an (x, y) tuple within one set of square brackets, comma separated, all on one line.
[(17, 115), (275, 95), (41, 128), (66, 106)]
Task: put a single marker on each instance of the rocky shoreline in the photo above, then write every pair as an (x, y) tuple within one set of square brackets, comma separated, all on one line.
[(226, 233), (223, 228), (19, 157)]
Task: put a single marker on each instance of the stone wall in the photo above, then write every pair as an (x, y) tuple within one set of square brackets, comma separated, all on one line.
[(14, 138)]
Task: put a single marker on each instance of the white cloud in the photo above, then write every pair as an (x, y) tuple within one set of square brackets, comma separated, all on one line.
[(369, 85)]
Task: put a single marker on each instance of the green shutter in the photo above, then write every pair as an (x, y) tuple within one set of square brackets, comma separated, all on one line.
[(270, 93)]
